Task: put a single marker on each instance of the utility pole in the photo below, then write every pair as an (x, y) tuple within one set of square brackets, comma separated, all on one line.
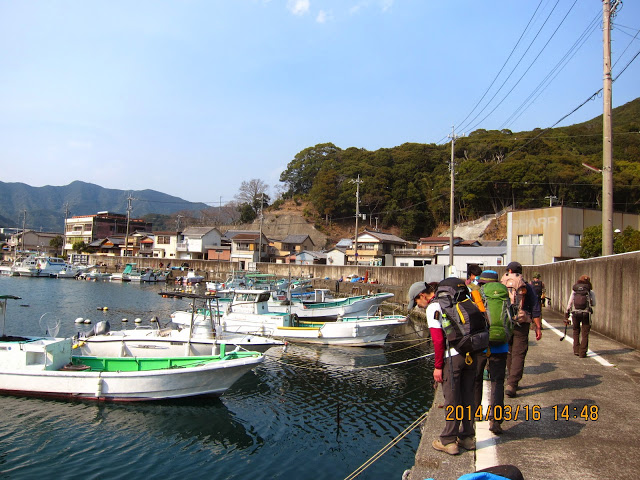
[(24, 226), (126, 237), (608, 10), (551, 199), (64, 235), (607, 133), (357, 182), (261, 218), (453, 138)]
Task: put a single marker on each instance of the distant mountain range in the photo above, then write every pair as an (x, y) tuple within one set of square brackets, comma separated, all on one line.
[(45, 207)]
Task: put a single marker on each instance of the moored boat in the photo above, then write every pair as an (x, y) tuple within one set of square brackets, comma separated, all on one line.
[(249, 313), (322, 306), (45, 367), (196, 334)]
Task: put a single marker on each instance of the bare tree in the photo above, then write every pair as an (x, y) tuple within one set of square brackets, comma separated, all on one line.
[(252, 192)]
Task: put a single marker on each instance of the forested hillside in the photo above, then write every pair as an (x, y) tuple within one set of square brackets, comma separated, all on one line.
[(408, 185)]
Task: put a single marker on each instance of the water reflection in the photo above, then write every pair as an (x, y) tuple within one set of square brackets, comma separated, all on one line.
[(310, 412)]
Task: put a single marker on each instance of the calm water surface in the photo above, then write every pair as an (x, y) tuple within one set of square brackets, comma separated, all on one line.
[(310, 412)]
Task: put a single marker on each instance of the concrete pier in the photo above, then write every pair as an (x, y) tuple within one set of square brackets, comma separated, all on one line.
[(542, 442)]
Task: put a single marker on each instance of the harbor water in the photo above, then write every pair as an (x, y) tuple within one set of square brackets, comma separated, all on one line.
[(309, 412)]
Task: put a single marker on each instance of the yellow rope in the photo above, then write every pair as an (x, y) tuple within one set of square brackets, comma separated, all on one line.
[(387, 447)]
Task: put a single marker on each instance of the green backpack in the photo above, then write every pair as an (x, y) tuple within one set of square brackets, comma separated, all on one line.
[(496, 300)]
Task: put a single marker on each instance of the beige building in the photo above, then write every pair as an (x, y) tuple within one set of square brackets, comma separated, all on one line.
[(545, 235)]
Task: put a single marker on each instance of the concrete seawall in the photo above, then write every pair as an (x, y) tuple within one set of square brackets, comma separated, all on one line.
[(614, 280)]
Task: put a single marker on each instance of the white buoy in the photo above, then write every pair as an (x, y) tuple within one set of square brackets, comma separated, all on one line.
[(87, 320), (125, 320), (138, 320), (154, 319), (79, 320)]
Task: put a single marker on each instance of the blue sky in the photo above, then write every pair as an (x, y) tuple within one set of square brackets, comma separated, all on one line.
[(191, 97)]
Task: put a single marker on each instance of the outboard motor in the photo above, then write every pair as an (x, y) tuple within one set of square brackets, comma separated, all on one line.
[(100, 328)]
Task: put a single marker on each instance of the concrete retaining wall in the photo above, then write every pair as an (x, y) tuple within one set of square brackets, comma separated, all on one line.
[(614, 279)]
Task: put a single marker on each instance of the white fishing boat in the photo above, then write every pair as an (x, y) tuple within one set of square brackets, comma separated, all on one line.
[(196, 334), (191, 278), (45, 367), (40, 266), (323, 306), (72, 271), (94, 274), (150, 275), (249, 313), (129, 274)]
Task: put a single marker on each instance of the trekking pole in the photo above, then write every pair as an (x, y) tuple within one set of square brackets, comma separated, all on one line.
[(565, 331)]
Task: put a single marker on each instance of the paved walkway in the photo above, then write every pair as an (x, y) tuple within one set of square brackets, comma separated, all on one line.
[(547, 446)]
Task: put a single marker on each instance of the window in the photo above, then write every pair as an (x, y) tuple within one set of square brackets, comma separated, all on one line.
[(532, 239), (163, 240), (574, 240)]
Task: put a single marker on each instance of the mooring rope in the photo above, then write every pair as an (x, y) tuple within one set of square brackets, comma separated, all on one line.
[(387, 447)]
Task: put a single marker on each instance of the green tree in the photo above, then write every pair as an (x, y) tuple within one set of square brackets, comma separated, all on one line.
[(247, 213), (79, 246), (302, 170), (57, 242), (323, 192), (626, 241), (591, 242)]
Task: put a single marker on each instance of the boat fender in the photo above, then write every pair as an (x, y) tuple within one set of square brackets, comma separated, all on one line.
[(99, 387), (79, 320), (138, 320), (125, 320), (154, 319), (87, 321)]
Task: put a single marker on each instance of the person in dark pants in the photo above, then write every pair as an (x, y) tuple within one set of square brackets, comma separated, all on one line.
[(581, 311), (519, 344), (456, 376), (497, 365)]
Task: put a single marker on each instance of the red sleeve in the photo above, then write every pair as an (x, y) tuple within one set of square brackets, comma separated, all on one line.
[(437, 336)]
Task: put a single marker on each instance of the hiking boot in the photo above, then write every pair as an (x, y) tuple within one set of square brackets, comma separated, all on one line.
[(510, 391), (495, 427), (468, 443), (450, 448)]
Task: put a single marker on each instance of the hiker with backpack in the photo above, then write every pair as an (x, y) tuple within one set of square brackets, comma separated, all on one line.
[(495, 297), (456, 344), (538, 288), (526, 312), (580, 308)]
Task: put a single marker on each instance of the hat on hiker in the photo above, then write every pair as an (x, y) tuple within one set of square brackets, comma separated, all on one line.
[(515, 267), (415, 290), (488, 276)]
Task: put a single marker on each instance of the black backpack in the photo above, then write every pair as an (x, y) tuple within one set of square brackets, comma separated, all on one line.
[(581, 298), (465, 326), (536, 284)]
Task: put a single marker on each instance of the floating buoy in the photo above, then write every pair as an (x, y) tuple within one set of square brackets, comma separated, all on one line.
[(104, 309), (154, 319), (138, 320), (79, 320), (125, 320), (87, 320)]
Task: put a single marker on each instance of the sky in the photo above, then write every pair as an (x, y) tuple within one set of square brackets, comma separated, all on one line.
[(193, 97)]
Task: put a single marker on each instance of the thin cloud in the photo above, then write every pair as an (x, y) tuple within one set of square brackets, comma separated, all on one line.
[(323, 16), (299, 7)]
